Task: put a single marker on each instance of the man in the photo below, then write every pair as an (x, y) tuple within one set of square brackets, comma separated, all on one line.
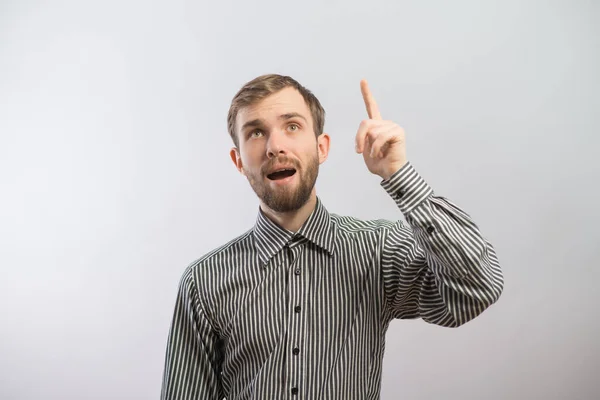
[(298, 306)]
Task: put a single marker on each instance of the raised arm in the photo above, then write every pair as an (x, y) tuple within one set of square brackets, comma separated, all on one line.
[(439, 268)]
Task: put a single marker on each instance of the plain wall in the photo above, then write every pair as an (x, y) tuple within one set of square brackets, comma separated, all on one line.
[(115, 174)]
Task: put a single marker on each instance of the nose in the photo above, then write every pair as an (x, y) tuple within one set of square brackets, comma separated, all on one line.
[(276, 145)]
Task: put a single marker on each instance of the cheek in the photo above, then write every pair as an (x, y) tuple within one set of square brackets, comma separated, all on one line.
[(313, 154), (250, 163)]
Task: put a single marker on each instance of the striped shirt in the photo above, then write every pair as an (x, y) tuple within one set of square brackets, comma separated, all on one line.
[(275, 314)]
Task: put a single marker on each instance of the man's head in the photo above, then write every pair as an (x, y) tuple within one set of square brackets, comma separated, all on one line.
[(277, 127)]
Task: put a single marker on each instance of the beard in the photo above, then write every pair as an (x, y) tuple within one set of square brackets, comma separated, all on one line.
[(286, 198)]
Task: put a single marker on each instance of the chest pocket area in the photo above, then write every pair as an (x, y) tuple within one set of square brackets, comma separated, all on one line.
[(257, 326)]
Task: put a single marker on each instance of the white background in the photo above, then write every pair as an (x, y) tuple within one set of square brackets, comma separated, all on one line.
[(115, 174)]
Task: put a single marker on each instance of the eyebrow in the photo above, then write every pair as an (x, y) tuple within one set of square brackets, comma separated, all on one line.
[(259, 122)]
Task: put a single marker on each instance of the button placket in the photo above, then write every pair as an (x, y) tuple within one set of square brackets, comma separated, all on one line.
[(296, 289)]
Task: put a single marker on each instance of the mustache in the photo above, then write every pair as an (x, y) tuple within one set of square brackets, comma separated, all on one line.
[(279, 160)]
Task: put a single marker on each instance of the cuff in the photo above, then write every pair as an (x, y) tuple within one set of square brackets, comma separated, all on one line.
[(407, 188)]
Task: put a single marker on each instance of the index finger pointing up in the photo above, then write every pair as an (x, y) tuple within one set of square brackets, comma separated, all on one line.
[(370, 103)]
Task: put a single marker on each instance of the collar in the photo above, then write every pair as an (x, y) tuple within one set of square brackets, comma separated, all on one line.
[(270, 238)]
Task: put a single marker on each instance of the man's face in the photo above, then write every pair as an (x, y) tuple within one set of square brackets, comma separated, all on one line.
[(278, 150)]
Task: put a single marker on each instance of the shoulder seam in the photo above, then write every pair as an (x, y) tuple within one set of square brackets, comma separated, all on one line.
[(192, 268), (359, 225)]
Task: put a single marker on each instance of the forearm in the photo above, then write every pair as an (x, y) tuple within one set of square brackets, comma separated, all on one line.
[(461, 274)]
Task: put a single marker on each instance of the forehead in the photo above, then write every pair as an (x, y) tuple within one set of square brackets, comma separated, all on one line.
[(269, 109)]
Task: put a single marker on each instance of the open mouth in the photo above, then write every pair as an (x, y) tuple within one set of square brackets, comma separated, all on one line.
[(281, 174)]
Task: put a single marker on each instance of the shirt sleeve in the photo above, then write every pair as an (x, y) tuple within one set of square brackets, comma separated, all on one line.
[(192, 363), (439, 268)]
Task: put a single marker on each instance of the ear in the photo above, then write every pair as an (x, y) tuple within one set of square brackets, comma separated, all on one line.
[(237, 160), (323, 147)]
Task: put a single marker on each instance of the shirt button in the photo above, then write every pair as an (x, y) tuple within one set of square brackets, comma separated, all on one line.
[(430, 229), (297, 271), (296, 351), (297, 309), (294, 390)]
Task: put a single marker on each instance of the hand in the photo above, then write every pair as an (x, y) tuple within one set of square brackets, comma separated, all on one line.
[(382, 143)]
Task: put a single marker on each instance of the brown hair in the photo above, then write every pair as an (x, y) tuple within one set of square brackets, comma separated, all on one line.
[(265, 85)]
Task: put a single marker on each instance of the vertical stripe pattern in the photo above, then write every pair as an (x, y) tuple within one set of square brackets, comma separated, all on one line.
[(280, 315)]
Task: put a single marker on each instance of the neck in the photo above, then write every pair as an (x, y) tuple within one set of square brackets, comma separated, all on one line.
[(292, 220)]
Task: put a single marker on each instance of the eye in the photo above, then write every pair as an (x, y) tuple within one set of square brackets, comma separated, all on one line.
[(293, 127), (255, 133)]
